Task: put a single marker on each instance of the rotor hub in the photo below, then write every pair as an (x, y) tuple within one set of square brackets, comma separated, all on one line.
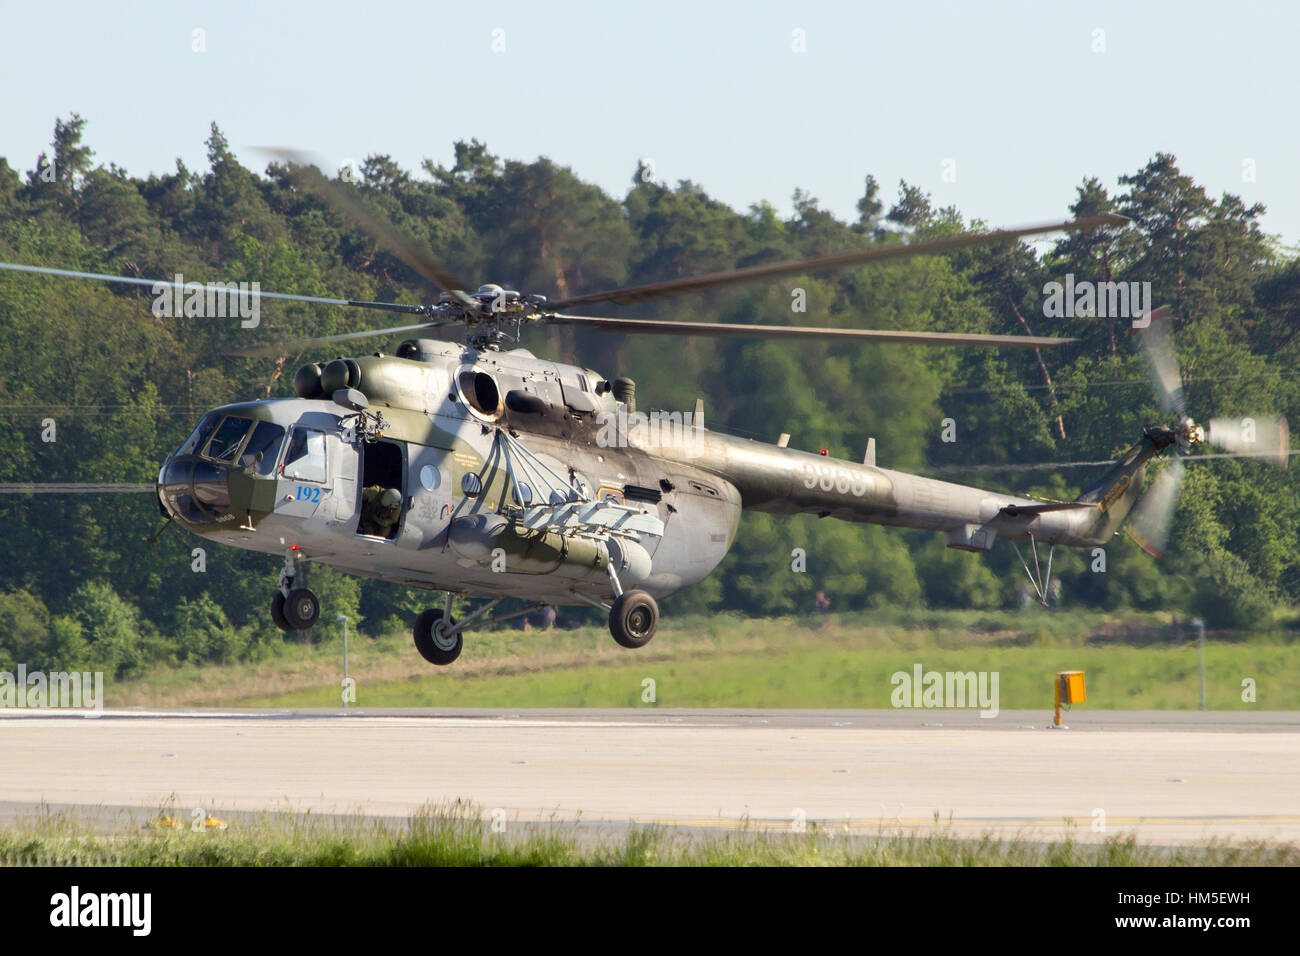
[(1189, 434)]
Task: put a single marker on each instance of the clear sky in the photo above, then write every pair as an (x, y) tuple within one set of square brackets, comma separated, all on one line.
[(1011, 97)]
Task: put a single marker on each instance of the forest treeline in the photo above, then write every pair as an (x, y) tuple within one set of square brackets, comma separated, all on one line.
[(96, 388)]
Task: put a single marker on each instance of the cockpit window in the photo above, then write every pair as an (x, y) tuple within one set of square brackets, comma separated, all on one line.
[(305, 459), (226, 440), (200, 434), (262, 449)]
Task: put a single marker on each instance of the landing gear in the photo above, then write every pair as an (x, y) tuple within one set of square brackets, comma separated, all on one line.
[(295, 611), (277, 611), (438, 635), (634, 615), (1041, 581), (436, 639), (633, 618), (301, 608), (294, 608)]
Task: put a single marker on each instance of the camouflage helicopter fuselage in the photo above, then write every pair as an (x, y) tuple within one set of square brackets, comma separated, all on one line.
[(521, 477)]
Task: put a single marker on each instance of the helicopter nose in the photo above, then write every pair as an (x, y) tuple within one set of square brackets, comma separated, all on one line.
[(195, 491)]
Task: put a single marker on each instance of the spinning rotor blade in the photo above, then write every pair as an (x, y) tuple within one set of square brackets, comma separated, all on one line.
[(716, 280), (305, 174), (294, 345), (721, 329), (1153, 515), (1262, 437), (172, 284), (1158, 346)]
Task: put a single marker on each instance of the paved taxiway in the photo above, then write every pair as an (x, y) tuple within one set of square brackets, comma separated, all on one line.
[(1169, 776)]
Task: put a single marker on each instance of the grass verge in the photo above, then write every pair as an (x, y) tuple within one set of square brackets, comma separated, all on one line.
[(841, 661), (457, 835)]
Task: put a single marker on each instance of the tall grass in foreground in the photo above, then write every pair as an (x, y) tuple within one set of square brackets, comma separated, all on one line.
[(456, 835)]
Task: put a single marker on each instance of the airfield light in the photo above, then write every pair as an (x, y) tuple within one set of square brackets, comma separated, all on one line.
[(1069, 690)]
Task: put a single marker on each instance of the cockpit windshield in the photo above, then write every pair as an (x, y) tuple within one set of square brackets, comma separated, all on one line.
[(229, 435), (200, 435)]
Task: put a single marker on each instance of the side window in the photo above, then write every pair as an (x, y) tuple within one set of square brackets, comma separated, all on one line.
[(262, 449), (305, 458)]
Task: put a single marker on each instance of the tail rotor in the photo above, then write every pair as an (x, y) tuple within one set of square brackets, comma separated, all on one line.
[(1264, 437)]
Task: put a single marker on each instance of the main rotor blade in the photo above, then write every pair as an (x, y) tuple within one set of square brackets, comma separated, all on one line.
[(1153, 515), (304, 173), (726, 330), (293, 345), (659, 290), (1157, 341), (1262, 437), (159, 284)]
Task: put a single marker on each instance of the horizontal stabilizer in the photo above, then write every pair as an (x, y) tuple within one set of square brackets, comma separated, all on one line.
[(1016, 511)]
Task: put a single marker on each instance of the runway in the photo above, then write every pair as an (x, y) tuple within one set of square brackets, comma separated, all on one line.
[(1169, 777)]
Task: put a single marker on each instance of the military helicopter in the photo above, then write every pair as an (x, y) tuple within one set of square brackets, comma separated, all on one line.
[(483, 470)]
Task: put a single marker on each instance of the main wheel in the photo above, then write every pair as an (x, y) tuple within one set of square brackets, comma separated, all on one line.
[(634, 618), (301, 608), (277, 611), (432, 641)]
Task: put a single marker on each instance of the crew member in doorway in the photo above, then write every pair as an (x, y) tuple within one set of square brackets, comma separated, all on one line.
[(380, 509)]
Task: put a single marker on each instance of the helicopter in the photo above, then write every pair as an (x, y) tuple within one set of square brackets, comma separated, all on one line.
[(479, 469)]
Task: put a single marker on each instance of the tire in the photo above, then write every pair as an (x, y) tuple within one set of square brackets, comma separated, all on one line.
[(634, 618), (277, 611), (433, 646), (301, 609)]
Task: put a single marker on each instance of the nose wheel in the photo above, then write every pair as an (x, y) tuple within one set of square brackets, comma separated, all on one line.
[(277, 611), (301, 609), (296, 611)]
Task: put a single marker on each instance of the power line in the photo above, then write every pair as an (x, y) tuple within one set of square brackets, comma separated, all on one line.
[(73, 488), (946, 469), (1061, 386)]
